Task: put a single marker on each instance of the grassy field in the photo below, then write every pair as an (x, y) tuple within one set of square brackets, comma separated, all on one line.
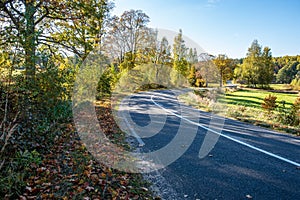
[(245, 105), (253, 98), (281, 86)]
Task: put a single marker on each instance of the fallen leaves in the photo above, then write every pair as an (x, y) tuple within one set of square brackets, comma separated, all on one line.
[(69, 171)]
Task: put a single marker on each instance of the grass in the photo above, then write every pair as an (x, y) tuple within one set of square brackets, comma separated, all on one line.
[(254, 98), (280, 86), (245, 105)]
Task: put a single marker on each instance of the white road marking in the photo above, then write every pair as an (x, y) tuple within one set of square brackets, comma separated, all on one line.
[(228, 137)]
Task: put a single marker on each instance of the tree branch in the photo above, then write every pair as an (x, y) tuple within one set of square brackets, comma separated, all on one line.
[(11, 16), (12, 7), (69, 48), (42, 17)]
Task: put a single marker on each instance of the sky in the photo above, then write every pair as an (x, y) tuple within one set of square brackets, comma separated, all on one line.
[(226, 26)]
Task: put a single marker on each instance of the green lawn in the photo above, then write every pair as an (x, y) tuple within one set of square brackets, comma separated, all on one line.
[(281, 86), (245, 105), (254, 98)]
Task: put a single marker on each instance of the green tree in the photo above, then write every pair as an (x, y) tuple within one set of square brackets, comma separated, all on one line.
[(81, 26), (70, 25), (180, 62), (266, 72), (258, 67), (296, 81), (192, 56), (251, 64), (41, 32), (287, 73)]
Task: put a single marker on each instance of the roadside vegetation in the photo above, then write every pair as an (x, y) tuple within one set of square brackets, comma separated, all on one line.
[(269, 109), (268, 95), (44, 44)]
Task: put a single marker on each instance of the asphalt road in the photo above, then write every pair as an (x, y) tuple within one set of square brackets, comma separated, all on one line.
[(241, 161)]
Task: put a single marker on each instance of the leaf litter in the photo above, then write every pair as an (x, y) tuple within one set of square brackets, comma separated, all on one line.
[(69, 171)]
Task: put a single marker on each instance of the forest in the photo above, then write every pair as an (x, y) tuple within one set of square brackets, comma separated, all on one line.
[(43, 45)]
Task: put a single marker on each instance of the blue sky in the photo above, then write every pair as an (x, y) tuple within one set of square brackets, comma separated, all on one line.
[(226, 26)]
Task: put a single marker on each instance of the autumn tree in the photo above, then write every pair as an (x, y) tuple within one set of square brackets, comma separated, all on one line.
[(41, 31), (207, 69), (81, 29), (20, 20), (74, 26), (192, 76), (126, 35), (225, 67)]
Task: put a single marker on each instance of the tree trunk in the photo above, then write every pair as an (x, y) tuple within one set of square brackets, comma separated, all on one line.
[(29, 41), (29, 45)]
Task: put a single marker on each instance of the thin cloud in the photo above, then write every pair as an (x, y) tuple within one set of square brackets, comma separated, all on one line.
[(212, 3)]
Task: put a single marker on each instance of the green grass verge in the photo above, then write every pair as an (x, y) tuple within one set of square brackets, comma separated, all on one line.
[(254, 98), (281, 86), (245, 105)]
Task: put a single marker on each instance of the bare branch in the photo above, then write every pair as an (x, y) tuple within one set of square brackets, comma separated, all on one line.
[(11, 16), (12, 7), (42, 17)]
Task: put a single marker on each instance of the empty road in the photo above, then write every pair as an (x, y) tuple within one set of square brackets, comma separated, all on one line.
[(212, 157)]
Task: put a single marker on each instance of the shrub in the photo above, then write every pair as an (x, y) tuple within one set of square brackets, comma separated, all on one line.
[(290, 116), (296, 111), (269, 103)]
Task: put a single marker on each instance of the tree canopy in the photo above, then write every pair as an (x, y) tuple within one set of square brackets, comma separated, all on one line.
[(257, 68)]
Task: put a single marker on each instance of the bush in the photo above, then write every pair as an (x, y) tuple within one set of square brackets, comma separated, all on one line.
[(290, 116), (269, 103), (201, 93), (296, 112), (296, 84)]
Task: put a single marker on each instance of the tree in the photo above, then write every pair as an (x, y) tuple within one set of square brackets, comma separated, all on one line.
[(80, 31), (127, 34), (72, 25), (258, 67), (224, 65), (192, 56), (207, 69), (155, 51), (266, 72), (20, 20), (179, 54), (192, 76), (296, 81), (40, 31), (287, 73), (250, 67), (164, 52)]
